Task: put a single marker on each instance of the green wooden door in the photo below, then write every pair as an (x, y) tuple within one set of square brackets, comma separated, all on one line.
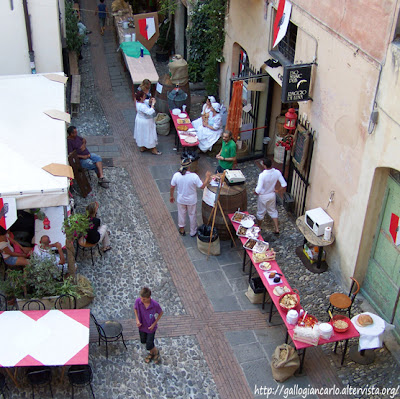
[(382, 282)]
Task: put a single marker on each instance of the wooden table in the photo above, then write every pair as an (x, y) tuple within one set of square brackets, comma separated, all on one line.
[(139, 68), (43, 337), (274, 304), (180, 135), (319, 266)]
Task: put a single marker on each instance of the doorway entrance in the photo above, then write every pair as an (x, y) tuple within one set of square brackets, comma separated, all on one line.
[(382, 281)]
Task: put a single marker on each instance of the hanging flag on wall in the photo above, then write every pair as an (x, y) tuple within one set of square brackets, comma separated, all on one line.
[(281, 21), (394, 229), (8, 212), (146, 29)]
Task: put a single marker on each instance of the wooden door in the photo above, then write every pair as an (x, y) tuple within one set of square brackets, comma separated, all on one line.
[(382, 282)]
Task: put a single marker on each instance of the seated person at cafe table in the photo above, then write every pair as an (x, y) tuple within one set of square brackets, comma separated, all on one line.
[(209, 129), (46, 250), (97, 232), (7, 249), (88, 160), (227, 156)]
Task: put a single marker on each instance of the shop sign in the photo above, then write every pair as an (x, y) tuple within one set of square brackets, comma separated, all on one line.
[(296, 83)]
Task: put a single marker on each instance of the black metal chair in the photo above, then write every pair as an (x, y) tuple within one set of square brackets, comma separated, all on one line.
[(83, 245), (109, 331), (3, 385), (65, 301), (3, 302), (39, 376), (34, 304), (80, 376), (341, 302)]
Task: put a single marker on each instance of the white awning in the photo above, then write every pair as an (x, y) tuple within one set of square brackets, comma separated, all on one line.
[(30, 140)]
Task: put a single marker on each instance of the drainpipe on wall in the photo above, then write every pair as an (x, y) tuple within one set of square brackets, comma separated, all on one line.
[(29, 37)]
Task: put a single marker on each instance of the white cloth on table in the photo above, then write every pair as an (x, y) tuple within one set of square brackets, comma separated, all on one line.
[(206, 136), (186, 186), (145, 132), (371, 336), (266, 192)]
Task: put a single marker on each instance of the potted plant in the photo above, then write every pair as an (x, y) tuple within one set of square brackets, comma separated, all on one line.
[(74, 226)]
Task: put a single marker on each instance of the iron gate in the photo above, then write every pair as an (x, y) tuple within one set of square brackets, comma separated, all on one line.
[(298, 180)]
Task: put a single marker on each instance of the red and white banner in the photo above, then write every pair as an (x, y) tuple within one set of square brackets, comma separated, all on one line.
[(281, 21), (8, 212), (147, 27), (394, 229)]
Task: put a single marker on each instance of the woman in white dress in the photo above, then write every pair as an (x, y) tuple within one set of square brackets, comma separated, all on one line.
[(145, 132), (211, 129), (204, 112)]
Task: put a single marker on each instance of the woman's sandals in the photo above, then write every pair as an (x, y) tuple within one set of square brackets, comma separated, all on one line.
[(155, 358)]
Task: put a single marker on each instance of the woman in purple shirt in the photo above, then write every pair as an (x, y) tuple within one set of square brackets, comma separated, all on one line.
[(146, 310)]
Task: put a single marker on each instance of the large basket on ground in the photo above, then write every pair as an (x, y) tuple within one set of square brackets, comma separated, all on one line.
[(162, 124)]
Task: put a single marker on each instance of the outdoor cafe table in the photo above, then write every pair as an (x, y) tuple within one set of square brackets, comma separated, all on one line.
[(300, 346), (43, 338), (180, 134)]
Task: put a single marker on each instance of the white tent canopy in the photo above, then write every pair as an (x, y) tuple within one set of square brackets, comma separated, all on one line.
[(30, 140)]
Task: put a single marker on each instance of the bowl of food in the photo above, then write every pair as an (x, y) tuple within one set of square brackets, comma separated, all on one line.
[(309, 321), (289, 300), (340, 323)]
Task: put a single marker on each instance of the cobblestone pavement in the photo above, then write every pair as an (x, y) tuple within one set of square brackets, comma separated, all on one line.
[(214, 342)]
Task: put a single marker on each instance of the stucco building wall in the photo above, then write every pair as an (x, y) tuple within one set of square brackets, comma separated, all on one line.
[(348, 58), (46, 41)]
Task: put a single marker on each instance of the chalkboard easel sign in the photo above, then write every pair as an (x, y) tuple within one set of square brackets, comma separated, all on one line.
[(300, 147)]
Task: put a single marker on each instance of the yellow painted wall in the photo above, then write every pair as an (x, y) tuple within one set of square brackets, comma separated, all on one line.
[(346, 77)]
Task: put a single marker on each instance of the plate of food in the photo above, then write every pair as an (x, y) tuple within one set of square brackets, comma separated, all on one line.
[(182, 115), (261, 247), (241, 231), (184, 121), (190, 139), (273, 277), (238, 216), (264, 256), (182, 128), (278, 291), (364, 320), (265, 266), (249, 244), (309, 321)]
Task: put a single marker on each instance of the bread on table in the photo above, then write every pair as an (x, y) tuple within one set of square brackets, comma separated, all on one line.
[(365, 320)]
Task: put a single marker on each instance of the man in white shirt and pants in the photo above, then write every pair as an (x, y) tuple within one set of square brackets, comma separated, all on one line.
[(187, 184), (266, 189)]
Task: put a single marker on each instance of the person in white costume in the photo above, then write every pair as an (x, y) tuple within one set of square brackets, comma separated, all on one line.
[(207, 107), (187, 184), (145, 132), (266, 189), (210, 130)]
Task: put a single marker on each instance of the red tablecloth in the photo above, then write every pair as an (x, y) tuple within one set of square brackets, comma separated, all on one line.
[(181, 134), (350, 333)]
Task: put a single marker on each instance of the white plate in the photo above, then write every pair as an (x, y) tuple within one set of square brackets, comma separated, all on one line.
[(190, 140), (265, 266), (271, 280), (176, 111), (182, 115), (192, 129), (247, 223)]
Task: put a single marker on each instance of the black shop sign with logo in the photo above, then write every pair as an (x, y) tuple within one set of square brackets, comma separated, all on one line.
[(296, 83)]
